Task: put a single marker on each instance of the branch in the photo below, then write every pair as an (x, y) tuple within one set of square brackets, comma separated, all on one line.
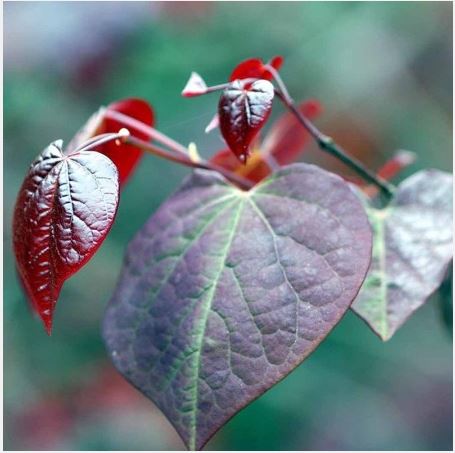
[(240, 181)]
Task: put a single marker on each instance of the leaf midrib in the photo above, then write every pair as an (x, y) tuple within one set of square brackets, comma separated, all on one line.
[(203, 324)]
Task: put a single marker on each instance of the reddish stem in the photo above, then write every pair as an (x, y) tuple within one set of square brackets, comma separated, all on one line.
[(240, 181), (98, 140), (133, 123)]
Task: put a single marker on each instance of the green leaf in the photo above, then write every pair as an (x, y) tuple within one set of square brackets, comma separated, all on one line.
[(224, 292), (412, 248)]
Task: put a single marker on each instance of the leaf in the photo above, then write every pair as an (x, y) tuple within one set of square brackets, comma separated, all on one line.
[(63, 212), (195, 86), (124, 156), (242, 112), (255, 68), (282, 145), (396, 164), (412, 249), (224, 292)]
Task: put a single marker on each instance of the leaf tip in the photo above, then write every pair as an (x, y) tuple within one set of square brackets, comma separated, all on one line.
[(46, 318)]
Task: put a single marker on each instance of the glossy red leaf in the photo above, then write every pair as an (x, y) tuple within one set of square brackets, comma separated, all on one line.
[(125, 156), (282, 145), (255, 68), (242, 112), (64, 210)]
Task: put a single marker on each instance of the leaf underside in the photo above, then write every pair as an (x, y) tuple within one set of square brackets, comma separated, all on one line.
[(64, 211), (412, 248), (224, 292)]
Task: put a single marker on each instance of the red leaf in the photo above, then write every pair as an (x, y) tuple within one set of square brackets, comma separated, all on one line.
[(287, 137), (64, 210), (397, 163), (255, 68), (125, 157), (242, 112), (282, 145)]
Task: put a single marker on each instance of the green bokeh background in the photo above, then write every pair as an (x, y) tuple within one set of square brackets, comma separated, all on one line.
[(383, 73)]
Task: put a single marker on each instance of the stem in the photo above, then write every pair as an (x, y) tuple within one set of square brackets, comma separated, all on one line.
[(243, 183), (326, 143), (98, 140), (151, 132), (222, 86)]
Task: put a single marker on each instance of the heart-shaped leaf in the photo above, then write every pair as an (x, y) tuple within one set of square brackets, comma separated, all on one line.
[(256, 69), (224, 292), (242, 111), (124, 156), (412, 249), (281, 146), (63, 212)]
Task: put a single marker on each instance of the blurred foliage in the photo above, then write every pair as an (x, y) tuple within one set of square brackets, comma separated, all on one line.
[(382, 71)]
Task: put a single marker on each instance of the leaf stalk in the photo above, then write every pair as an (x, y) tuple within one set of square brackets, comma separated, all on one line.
[(186, 160)]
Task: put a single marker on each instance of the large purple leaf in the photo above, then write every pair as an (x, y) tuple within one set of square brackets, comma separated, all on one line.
[(224, 292), (411, 252), (63, 212)]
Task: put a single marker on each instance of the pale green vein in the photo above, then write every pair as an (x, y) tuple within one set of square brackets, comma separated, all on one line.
[(198, 210), (169, 274), (205, 314), (272, 233), (175, 366), (380, 251), (191, 241)]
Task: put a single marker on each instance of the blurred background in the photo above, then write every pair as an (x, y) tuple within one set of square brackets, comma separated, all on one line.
[(383, 73)]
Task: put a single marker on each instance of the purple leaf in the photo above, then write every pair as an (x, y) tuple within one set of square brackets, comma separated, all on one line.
[(411, 252), (243, 109), (64, 210), (224, 292)]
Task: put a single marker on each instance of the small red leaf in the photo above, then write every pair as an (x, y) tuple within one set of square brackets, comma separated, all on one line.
[(195, 86), (276, 62), (282, 145), (242, 112), (125, 157), (255, 68), (64, 210), (397, 163)]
